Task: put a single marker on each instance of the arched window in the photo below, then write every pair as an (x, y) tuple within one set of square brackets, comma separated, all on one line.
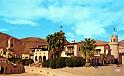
[(40, 59), (44, 58), (36, 58), (113, 40)]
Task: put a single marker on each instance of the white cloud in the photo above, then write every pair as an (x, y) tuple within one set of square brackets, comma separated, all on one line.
[(88, 17), (89, 29), (22, 10), (20, 22), (70, 36), (4, 30)]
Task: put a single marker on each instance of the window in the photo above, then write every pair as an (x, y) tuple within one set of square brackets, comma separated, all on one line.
[(4, 53), (26, 57), (40, 59), (44, 58), (98, 51), (79, 49), (36, 58), (11, 44), (113, 40)]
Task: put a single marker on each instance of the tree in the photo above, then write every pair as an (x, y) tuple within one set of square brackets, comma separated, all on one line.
[(88, 48), (56, 43)]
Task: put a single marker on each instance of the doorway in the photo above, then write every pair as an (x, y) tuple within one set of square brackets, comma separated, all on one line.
[(1, 70)]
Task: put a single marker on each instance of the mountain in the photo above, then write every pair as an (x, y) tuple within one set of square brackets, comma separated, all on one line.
[(32, 42), (20, 45), (17, 44)]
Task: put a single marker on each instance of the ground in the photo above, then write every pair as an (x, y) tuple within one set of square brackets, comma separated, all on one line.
[(111, 70)]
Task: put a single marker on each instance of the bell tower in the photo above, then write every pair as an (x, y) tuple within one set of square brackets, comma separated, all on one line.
[(114, 45)]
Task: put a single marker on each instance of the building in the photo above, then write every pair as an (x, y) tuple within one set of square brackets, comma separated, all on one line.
[(40, 54), (7, 67), (25, 56), (71, 49)]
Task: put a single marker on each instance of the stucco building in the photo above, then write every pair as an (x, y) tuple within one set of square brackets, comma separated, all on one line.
[(40, 54), (7, 67)]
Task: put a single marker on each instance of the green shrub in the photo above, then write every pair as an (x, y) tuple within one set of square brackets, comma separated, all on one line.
[(27, 61), (60, 62), (63, 62), (68, 62), (15, 60), (53, 63), (46, 63)]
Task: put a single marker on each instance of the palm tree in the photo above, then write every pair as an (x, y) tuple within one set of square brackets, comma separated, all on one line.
[(56, 43), (88, 48)]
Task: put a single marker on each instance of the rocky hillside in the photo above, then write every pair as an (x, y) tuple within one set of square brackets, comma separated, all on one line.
[(32, 42), (21, 45), (17, 46)]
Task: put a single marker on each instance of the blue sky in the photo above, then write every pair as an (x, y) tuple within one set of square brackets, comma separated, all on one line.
[(80, 18)]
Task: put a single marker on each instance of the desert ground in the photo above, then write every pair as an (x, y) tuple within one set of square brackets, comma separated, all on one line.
[(111, 70)]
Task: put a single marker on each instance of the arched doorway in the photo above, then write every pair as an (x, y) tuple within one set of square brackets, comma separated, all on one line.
[(40, 59), (1, 70), (36, 58), (44, 58)]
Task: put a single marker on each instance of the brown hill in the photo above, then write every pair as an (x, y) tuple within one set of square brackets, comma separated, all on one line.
[(20, 45), (32, 42), (17, 44)]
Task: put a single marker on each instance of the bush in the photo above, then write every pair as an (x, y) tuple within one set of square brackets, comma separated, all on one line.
[(15, 60), (46, 63), (27, 61), (60, 62), (75, 62), (52, 63), (63, 62)]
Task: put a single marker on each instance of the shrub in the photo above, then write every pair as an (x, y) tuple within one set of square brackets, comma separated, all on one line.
[(68, 62), (15, 60), (63, 62), (27, 61), (52, 63), (75, 62), (46, 63), (60, 62)]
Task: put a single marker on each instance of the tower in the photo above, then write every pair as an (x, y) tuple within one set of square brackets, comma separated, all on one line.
[(114, 45)]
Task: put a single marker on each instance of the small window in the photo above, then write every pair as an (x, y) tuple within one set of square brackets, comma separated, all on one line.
[(4, 53), (36, 58), (11, 44), (113, 40), (26, 57)]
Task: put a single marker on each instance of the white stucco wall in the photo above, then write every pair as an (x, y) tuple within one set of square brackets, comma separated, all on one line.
[(102, 49), (122, 59), (38, 53), (25, 56)]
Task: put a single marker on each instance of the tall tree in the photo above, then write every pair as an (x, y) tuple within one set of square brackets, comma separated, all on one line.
[(88, 49), (56, 43)]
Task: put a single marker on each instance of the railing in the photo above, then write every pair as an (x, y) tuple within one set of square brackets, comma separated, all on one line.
[(69, 51)]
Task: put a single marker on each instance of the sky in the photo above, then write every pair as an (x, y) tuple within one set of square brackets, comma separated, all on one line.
[(80, 18)]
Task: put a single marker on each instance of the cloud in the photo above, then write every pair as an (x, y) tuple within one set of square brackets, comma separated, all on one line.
[(88, 18), (4, 30), (19, 11), (20, 22)]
